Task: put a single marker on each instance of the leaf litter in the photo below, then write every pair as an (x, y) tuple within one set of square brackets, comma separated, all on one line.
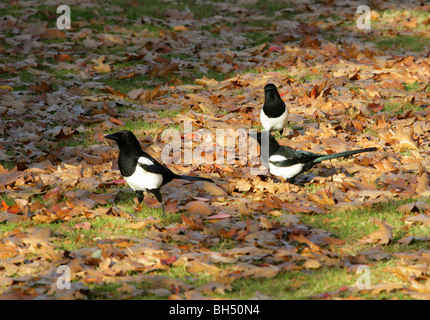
[(62, 91)]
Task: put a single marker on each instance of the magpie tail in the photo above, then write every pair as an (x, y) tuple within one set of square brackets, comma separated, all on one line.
[(343, 154), (193, 178)]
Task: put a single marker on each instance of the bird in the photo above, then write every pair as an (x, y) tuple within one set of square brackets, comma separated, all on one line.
[(274, 113), (141, 171), (288, 163)]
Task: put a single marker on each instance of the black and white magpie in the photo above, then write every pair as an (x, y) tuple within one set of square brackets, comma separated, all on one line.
[(286, 162), (274, 113), (140, 170)]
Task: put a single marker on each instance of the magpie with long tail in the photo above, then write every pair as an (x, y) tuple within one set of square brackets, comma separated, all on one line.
[(288, 163), (141, 171), (274, 113)]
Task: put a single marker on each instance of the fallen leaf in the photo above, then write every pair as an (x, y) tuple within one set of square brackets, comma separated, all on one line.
[(384, 235)]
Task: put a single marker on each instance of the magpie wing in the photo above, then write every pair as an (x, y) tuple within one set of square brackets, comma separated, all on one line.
[(285, 157)]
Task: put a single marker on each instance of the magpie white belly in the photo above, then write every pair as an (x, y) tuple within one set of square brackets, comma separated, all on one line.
[(273, 123), (144, 180), (286, 172)]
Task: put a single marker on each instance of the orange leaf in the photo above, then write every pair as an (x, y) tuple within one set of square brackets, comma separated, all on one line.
[(4, 205), (116, 121), (13, 209), (199, 208)]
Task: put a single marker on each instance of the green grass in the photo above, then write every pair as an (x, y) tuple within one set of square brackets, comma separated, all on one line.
[(258, 37), (411, 87), (401, 42), (26, 76), (303, 284), (125, 85), (311, 77), (399, 108), (170, 114), (355, 224), (7, 164)]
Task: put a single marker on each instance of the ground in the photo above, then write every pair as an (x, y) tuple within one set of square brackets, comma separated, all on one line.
[(354, 228)]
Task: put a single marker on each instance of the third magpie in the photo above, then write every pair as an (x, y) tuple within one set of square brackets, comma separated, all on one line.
[(274, 113), (140, 170), (287, 162)]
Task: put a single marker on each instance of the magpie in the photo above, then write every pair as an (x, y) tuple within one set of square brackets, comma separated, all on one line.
[(274, 113), (286, 162), (141, 171)]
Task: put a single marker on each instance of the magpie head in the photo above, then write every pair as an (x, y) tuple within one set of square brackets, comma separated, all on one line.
[(270, 91), (269, 86), (124, 138)]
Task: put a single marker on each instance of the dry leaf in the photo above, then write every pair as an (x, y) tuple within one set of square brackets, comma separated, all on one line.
[(384, 235)]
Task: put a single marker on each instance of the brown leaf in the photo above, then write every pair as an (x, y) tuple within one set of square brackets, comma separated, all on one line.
[(11, 218), (302, 239), (83, 225), (195, 223), (424, 219), (219, 216), (199, 208), (52, 33), (413, 207), (180, 28), (384, 235), (213, 189), (142, 224)]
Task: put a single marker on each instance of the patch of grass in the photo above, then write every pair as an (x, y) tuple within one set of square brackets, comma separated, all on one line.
[(26, 76), (258, 37), (170, 114), (354, 224), (411, 87), (63, 74), (139, 124), (311, 77), (371, 132), (9, 201), (407, 43), (399, 108), (7, 164), (303, 284), (356, 90), (125, 85), (313, 188), (270, 7)]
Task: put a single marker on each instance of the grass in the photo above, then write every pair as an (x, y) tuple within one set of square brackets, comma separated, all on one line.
[(297, 284), (26, 76), (311, 77), (399, 108), (355, 224), (9, 165), (125, 85), (411, 87), (402, 42)]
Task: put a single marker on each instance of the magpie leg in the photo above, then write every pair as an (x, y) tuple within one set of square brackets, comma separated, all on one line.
[(139, 194), (281, 132), (159, 197)]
